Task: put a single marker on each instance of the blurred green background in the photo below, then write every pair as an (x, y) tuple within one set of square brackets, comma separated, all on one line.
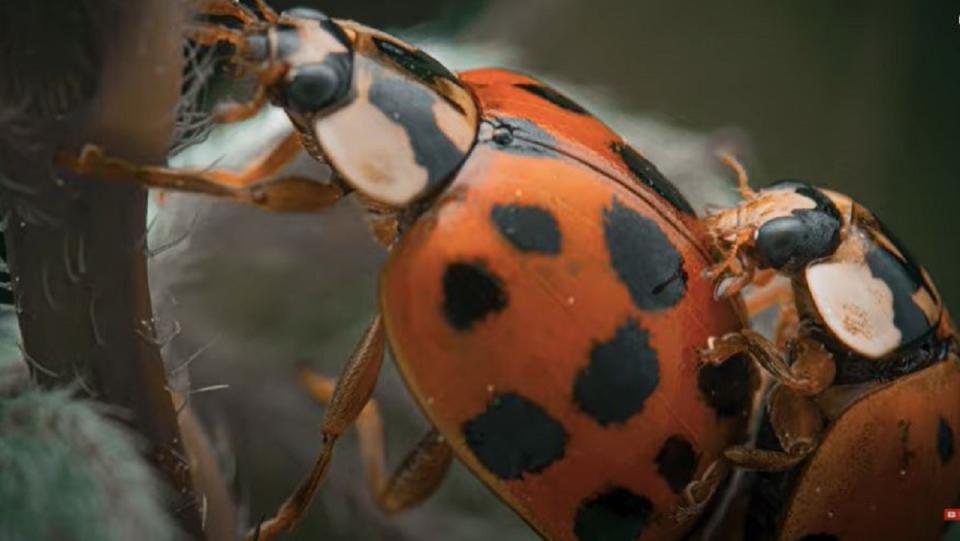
[(863, 97)]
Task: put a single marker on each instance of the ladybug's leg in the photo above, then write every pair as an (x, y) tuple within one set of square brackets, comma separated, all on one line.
[(734, 272), (252, 185), (698, 493), (266, 11), (797, 423), (775, 293), (228, 8), (419, 474), (811, 371), (347, 400)]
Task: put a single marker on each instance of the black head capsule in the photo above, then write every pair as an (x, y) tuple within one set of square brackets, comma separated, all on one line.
[(789, 243), (314, 87)]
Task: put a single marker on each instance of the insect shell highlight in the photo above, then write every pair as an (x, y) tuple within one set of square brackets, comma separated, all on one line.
[(868, 395), (543, 297)]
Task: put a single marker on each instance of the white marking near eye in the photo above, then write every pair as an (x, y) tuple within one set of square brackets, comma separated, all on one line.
[(856, 306)]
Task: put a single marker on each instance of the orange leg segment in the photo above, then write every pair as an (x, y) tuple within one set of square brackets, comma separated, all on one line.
[(418, 475), (252, 185), (347, 399)]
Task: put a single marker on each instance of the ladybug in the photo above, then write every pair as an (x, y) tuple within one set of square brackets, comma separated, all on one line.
[(862, 418), (543, 296)]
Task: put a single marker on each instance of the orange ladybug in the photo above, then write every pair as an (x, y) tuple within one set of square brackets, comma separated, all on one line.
[(543, 297), (858, 440)]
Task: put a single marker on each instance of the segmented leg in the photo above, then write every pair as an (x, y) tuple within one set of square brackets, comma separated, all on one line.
[(228, 8), (253, 185), (348, 398), (811, 371), (418, 475), (775, 294), (698, 493), (210, 35), (266, 11), (797, 423), (733, 273)]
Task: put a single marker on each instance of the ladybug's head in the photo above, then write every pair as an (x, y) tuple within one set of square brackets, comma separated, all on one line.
[(393, 122), (784, 226)]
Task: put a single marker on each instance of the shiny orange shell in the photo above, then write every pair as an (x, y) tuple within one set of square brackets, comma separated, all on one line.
[(518, 315), (888, 466)]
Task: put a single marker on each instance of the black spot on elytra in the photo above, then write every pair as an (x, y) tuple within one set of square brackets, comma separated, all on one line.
[(514, 436), (411, 107), (554, 97), (908, 318), (944, 441), (649, 175), (728, 387), (337, 32), (615, 515), (676, 462), (819, 537), (643, 257), (528, 228), (622, 373), (471, 292)]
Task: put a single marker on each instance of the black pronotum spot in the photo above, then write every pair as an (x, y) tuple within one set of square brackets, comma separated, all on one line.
[(648, 173), (528, 228), (944, 441), (553, 97), (471, 292), (615, 515), (411, 107), (908, 318), (728, 387), (643, 257), (622, 373), (676, 462), (416, 62), (514, 436)]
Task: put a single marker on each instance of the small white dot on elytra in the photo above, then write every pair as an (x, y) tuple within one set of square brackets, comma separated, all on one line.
[(429, 400), (829, 514), (489, 388), (570, 300), (518, 193)]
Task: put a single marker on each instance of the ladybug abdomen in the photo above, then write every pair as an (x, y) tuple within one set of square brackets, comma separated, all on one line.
[(547, 319)]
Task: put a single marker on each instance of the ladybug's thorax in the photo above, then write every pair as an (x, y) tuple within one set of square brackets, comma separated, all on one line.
[(391, 121), (869, 294)]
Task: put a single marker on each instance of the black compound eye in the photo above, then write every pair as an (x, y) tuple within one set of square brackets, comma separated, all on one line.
[(318, 86), (790, 243)]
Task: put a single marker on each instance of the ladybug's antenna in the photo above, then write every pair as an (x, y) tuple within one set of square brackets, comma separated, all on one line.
[(743, 182)]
